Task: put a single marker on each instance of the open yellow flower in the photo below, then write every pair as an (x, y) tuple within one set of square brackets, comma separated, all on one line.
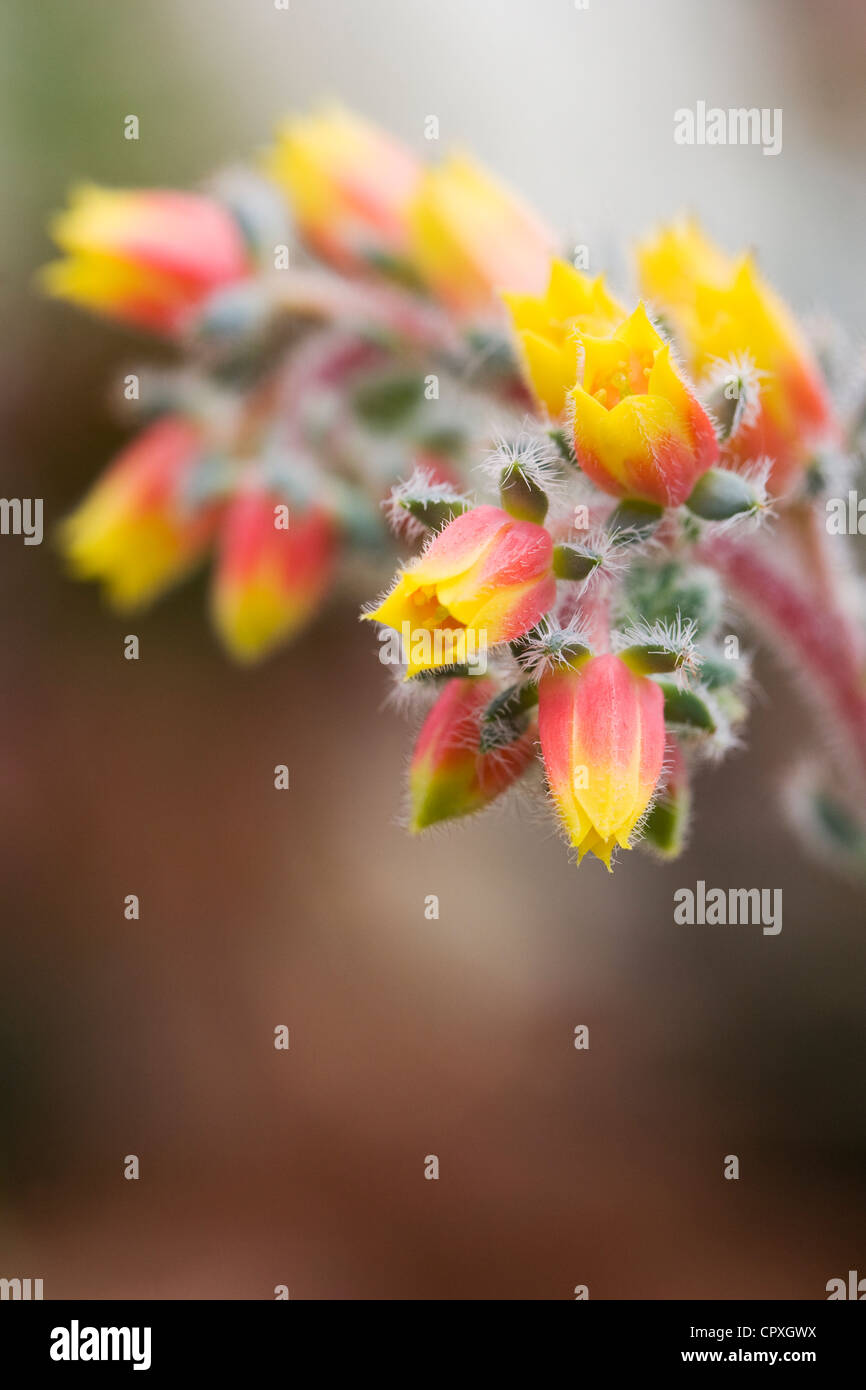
[(722, 310), (639, 431), (485, 578), (546, 328)]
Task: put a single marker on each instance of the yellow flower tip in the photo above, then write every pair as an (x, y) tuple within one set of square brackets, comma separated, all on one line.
[(254, 622)]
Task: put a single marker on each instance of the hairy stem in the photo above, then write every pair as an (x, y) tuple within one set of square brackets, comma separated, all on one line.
[(811, 629)]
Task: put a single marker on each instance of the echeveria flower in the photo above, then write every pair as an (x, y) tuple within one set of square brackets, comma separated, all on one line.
[(149, 256), (449, 775), (472, 237), (134, 530), (349, 185), (724, 312), (602, 735), (273, 567), (485, 575), (546, 328), (639, 429)]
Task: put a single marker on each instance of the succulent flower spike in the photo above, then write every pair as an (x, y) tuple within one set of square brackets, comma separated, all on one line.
[(624, 520), (349, 185), (485, 578), (546, 325), (134, 531), (273, 567), (471, 237), (150, 257), (639, 430), (721, 308), (449, 775), (602, 736)]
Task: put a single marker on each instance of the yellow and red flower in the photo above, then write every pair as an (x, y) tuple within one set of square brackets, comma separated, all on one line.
[(449, 776), (602, 734), (349, 185), (485, 577), (722, 310), (639, 430), (270, 576), (149, 257), (546, 328), (471, 237), (134, 530)]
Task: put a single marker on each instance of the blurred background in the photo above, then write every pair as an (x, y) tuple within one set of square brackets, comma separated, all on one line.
[(408, 1037)]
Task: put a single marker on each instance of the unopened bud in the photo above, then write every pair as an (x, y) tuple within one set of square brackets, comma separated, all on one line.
[(634, 519), (521, 496), (434, 512), (721, 494), (574, 561), (665, 827), (730, 399), (687, 708)]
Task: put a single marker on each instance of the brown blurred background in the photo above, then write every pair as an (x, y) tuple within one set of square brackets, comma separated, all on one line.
[(408, 1037)]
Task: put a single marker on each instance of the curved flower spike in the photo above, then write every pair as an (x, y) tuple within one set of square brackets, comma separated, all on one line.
[(639, 431), (602, 736)]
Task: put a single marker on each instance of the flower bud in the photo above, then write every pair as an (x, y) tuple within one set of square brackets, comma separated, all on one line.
[(721, 494), (687, 708), (349, 185), (148, 257), (450, 775), (602, 736), (270, 576), (664, 829), (472, 237), (135, 531), (521, 496), (574, 561)]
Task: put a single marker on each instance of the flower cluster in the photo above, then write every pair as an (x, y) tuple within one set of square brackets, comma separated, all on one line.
[(357, 330)]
